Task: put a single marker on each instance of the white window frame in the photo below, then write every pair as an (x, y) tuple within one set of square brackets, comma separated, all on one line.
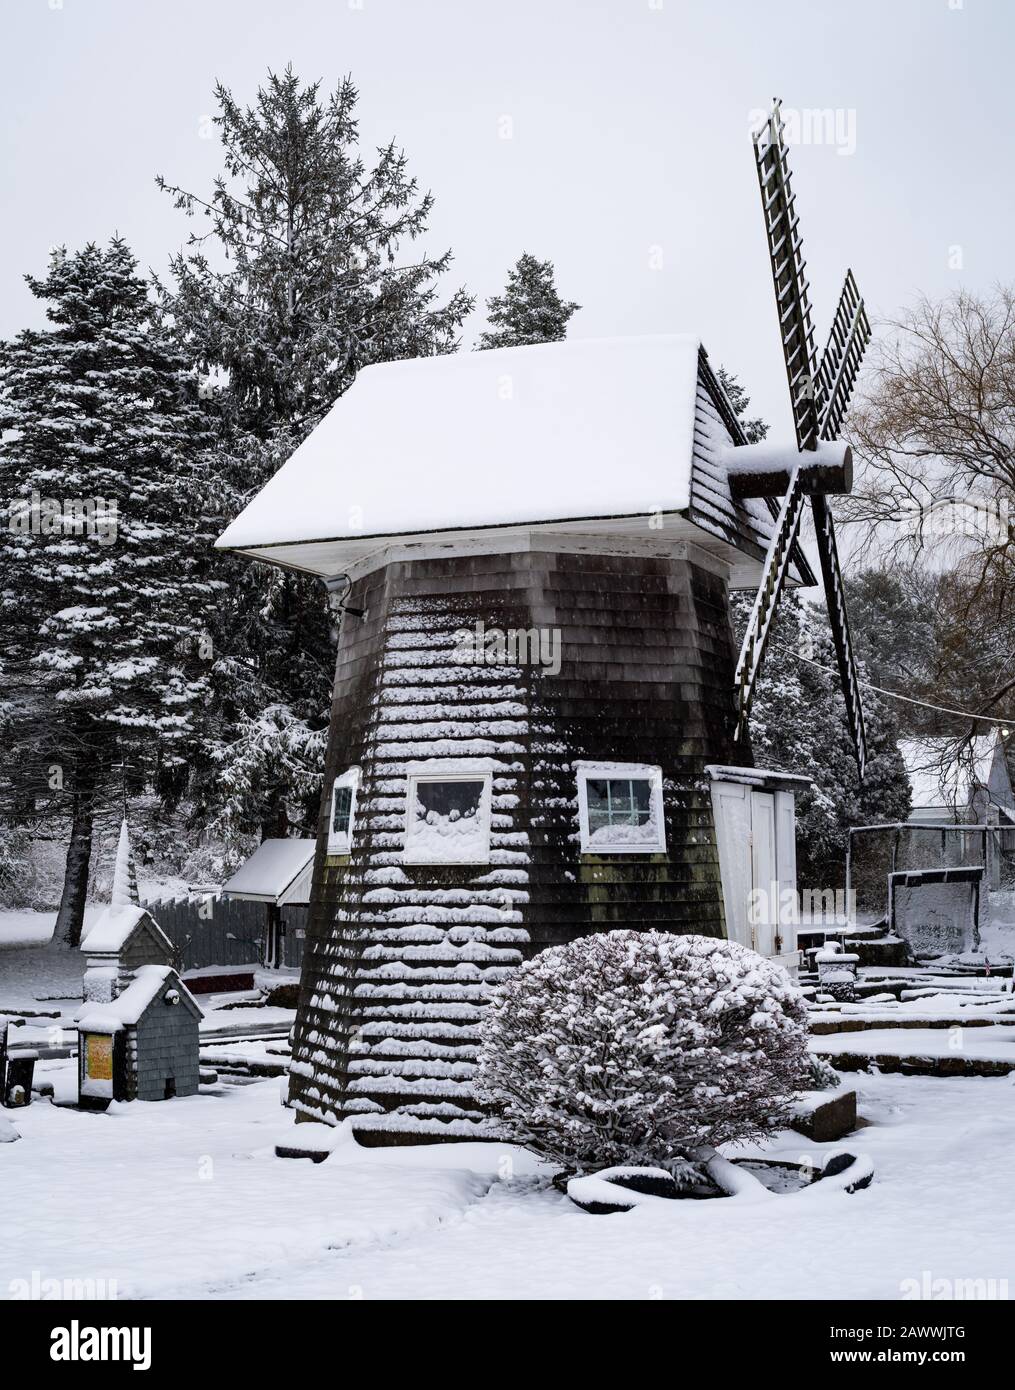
[(459, 770), (342, 844), (621, 772)]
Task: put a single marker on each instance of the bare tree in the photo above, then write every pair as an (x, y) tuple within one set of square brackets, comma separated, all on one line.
[(934, 435)]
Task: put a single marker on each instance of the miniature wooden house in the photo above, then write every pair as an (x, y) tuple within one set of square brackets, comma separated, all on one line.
[(143, 1045), (138, 1029)]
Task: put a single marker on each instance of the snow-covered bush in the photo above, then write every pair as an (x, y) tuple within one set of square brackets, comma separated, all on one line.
[(639, 1048), (823, 1076)]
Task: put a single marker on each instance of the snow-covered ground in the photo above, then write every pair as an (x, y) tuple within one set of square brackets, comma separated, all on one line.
[(44, 977), (37, 973), (983, 1044), (186, 1199)]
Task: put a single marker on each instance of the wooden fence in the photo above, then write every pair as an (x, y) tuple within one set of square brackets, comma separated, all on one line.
[(210, 930)]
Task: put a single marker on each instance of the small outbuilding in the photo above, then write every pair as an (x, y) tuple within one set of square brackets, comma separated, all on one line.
[(143, 1045), (278, 874), (956, 783), (138, 1030)]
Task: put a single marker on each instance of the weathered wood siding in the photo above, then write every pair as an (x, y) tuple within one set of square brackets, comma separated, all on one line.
[(399, 958)]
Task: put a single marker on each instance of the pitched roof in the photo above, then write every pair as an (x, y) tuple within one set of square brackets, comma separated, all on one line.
[(126, 1009), (562, 433), (109, 933), (124, 891), (272, 871), (943, 774)]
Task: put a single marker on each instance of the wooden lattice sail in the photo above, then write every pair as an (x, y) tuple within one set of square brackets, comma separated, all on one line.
[(819, 396)]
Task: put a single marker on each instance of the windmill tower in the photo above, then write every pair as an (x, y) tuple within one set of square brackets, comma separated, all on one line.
[(539, 726)]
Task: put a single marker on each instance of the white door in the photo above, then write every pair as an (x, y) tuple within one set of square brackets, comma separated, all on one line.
[(764, 874), (731, 805), (785, 864), (756, 836)]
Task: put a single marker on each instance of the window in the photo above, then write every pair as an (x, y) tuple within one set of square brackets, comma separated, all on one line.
[(620, 808), (343, 811), (447, 817)]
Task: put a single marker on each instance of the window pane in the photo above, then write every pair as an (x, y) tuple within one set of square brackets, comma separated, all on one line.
[(341, 811), (453, 800), (618, 801), (597, 797), (449, 821), (620, 811), (640, 801)]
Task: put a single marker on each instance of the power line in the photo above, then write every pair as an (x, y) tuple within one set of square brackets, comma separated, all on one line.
[(1003, 724)]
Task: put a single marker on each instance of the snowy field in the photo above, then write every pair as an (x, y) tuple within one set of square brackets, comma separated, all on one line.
[(188, 1200)]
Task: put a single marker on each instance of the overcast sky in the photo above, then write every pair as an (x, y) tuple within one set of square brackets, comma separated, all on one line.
[(628, 164)]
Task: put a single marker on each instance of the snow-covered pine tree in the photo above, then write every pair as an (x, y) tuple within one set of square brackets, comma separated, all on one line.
[(798, 724), (300, 276), (530, 310), (798, 721), (105, 597), (755, 429)]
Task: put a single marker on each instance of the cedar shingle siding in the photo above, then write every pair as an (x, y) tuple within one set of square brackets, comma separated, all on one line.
[(165, 1043), (399, 958)]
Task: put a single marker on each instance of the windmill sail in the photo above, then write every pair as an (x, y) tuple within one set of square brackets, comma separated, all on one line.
[(819, 394), (840, 364), (831, 574), (789, 273), (759, 625)]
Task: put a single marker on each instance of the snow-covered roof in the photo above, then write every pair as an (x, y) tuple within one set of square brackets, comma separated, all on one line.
[(108, 934), (126, 1009), (758, 777), (272, 872), (557, 432), (943, 775)]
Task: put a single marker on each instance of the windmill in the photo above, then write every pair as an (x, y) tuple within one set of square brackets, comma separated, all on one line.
[(484, 802), (819, 391)]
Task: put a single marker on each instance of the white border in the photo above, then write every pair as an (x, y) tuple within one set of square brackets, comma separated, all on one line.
[(342, 844), (454, 770), (632, 771)]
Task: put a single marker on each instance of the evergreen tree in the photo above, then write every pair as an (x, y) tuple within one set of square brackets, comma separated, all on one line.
[(300, 279), (313, 287), (798, 724), (755, 429), (798, 720), (945, 638), (530, 310), (105, 599)]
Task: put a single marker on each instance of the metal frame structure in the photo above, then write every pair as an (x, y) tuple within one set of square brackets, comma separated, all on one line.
[(985, 831)]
